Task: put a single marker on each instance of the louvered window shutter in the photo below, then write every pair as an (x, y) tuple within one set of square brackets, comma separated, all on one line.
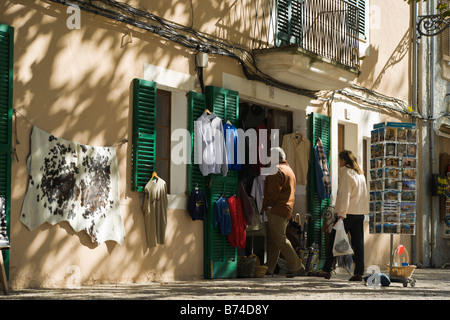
[(356, 16), (445, 40), (289, 24), (320, 126), (219, 257), (144, 133), (196, 106), (6, 87)]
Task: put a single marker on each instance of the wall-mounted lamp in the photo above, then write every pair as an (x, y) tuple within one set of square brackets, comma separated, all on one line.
[(201, 59)]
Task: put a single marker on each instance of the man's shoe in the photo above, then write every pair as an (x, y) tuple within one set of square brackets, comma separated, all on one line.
[(299, 272), (356, 277), (321, 273)]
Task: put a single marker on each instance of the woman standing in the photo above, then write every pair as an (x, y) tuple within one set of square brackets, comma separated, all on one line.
[(352, 204)]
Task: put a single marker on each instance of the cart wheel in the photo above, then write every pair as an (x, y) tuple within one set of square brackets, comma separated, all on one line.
[(405, 283), (413, 283)]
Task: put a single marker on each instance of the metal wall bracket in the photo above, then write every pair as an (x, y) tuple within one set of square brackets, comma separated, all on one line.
[(431, 25)]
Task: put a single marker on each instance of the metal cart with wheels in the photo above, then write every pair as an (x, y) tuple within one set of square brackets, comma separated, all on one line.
[(401, 271)]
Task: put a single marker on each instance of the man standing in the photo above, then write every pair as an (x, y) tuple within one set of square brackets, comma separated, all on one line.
[(279, 197)]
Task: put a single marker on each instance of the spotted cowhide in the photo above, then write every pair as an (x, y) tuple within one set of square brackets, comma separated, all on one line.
[(72, 182)]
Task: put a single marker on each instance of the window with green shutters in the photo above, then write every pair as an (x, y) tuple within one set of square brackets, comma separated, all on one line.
[(6, 88), (357, 16), (220, 258), (319, 127), (144, 133), (289, 23)]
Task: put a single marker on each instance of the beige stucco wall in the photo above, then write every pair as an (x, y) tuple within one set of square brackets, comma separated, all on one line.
[(386, 66), (385, 69), (76, 84)]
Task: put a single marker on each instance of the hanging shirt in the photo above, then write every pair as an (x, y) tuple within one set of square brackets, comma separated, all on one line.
[(258, 194), (155, 211), (197, 205), (222, 218), (209, 152), (298, 150), (237, 236), (261, 152), (323, 180), (232, 147), (247, 206)]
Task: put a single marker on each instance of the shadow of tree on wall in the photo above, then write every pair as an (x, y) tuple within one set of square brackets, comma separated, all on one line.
[(401, 51), (76, 84)]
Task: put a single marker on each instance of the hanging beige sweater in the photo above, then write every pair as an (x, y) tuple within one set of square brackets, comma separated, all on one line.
[(155, 212)]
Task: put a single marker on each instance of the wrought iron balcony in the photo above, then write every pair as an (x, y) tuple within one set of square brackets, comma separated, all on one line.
[(299, 33)]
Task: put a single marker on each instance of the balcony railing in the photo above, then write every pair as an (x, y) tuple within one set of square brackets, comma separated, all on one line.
[(327, 28)]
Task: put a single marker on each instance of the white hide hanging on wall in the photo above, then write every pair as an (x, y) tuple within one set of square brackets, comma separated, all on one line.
[(72, 182)]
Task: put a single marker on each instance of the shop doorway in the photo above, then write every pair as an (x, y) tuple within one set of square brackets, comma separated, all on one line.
[(256, 116)]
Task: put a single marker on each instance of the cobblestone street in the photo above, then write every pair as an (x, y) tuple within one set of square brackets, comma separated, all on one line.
[(432, 284)]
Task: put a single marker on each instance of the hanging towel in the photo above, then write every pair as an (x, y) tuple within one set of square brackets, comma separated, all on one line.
[(323, 180), (72, 182)]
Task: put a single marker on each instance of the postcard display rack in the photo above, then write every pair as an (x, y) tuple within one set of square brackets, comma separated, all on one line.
[(393, 172)]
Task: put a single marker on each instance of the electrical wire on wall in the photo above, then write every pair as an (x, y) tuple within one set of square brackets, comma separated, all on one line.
[(201, 42), (185, 36)]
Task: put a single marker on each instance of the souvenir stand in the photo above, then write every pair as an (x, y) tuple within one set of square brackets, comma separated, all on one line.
[(393, 193)]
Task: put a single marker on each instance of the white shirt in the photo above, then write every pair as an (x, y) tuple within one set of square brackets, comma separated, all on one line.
[(210, 153), (352, 196)]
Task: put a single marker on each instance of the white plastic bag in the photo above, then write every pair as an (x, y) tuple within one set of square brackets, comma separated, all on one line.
[(341, 245)]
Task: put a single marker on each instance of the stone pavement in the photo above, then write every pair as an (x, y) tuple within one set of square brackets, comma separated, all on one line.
[(431, 284)]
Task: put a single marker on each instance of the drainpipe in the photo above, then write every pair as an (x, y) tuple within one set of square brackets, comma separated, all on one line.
[(414, 98), (431, 132)]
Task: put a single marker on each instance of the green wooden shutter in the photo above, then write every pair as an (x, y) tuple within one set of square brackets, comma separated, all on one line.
[(320, 127), (222, 261), (288, 22), (356, 17), (196, 107), (6, 87), (219, 258), (144, 133)]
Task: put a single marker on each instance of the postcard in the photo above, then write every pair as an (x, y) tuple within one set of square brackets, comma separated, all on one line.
[(374, 136), (390, 149), (408, 196), (409, 185), (391, 217), (391, 173), (390, 134), (409, 163), (402, 134), (409, 174), (391, 195), (412, 135), (401, 150), (392, 162), (408, 206), (391, 184), (407, 228), (411, 150), (390, 228)]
